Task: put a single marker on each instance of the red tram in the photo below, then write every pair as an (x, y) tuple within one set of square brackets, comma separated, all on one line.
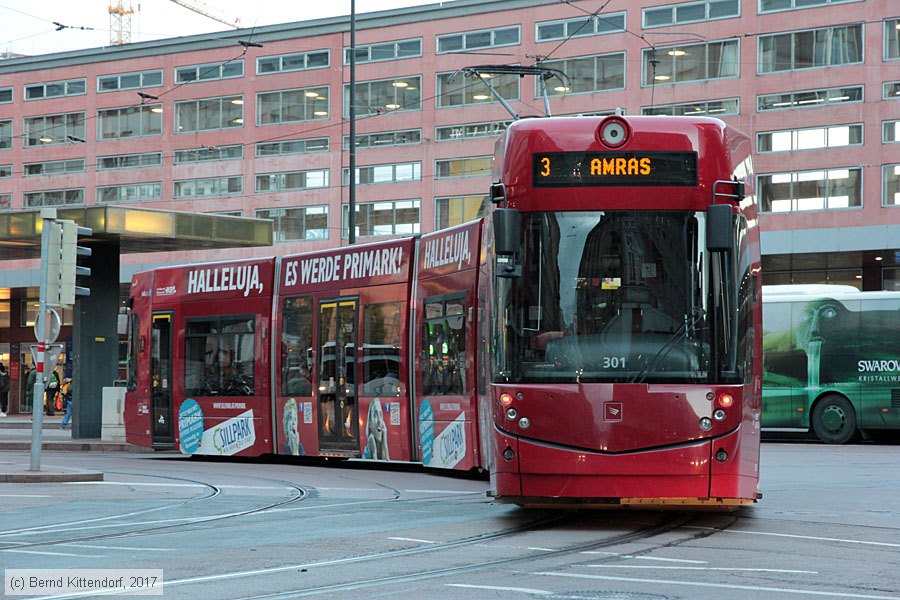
[(627, 313), (594, 340)]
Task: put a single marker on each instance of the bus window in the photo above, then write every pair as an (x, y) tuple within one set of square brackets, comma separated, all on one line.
[(219, 356), (444, 343), (381, 350), (296, 344), (134, 336)]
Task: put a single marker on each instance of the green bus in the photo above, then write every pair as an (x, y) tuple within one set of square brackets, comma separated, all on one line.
[(831, 361)]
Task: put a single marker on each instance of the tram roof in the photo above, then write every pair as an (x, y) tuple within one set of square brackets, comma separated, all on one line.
[(136, 230)]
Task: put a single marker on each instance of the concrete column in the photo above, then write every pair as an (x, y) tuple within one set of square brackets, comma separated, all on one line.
[(95, 338)]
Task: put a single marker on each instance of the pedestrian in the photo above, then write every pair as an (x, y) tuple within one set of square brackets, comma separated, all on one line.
[(30, 378), (4, 390), (66, 391), (50, 397)]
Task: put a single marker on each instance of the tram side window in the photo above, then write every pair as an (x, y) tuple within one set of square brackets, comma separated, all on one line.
[(444, 343), (296, 346), (381, 350), (134, 336), (219, 356)]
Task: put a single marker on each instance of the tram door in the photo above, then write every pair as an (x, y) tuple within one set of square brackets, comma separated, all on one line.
[(161, 381), (338, 416)]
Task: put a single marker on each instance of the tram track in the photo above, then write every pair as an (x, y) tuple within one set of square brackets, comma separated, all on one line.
[(298, 494)]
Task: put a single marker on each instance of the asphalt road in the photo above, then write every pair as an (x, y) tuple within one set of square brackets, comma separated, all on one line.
[(827, 527)]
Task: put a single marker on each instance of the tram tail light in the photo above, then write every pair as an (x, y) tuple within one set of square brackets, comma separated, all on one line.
[(506, 399), (726, 400)]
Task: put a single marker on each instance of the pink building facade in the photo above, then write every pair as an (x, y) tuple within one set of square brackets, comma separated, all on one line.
[(255, 122)]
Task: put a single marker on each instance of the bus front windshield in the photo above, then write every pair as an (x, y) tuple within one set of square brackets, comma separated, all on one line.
[(606, 297)]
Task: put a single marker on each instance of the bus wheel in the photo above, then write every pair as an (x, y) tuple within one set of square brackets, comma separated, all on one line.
[(834, 420)]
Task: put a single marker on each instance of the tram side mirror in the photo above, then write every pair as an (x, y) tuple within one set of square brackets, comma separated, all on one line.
[(508, 241), (718, 228)]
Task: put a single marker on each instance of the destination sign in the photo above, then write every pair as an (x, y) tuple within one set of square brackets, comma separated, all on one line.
[(587, 169)]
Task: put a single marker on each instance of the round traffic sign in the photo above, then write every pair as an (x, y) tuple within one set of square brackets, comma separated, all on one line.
[(54, 324)]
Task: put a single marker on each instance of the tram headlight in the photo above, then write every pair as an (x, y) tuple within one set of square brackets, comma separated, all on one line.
[(721, 455), (726, 400), (506, 399), (511, 413), (524, 422), (719, 415), (705, 423), (614, 132), (508, 454)]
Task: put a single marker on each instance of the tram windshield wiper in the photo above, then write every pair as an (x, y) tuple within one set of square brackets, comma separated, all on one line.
[(686, 328)]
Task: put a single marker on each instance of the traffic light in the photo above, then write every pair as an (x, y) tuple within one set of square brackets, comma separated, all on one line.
[(68, 268), (53, 260)]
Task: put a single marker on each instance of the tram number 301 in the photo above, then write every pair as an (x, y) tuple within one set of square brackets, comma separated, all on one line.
[(613, 362)]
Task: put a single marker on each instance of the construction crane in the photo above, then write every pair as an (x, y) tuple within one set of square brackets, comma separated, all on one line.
[(207, 11), (120, 22)]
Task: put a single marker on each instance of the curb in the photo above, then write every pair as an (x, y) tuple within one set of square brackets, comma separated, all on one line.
[(45, 477), (77, 446)]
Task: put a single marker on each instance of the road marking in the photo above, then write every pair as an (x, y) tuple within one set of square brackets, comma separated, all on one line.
[(25, 496), (500, 589), (799, 537), (441, 492), (752, 588), (52, 553), (402, 539), (136, 484), (678, 560), (118, 548), (742, 569)]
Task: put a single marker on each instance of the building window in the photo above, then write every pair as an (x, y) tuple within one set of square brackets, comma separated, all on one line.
[(810, 98), (291, 106), (564, 29), (714, 108), (463, 167), (386, 95), (385, 138), (129, 81), (305, 146), (890, 176), (890, 280), (208, 114), (811, 49), (300, 61), (385, 51), (692, 62), (292, 180), (811, 190), (776, 5), (589, 74), (810, 138), (6, 95), (890, 132), (462, 90), (690, 12), (54, 198), (450, 133), (209, 154), (6, 131), (133, 121), (455, 210), (477, 40), (209, 72), (392, 217), (54, 129), (5, 171), (227, 213), (219, 356), (892, 90), (892, 39), (213, 186), (31, 308), (56, 89), (129, 161), (395, 173), (297, 224), (5, 201), (54, 167), (135, 192)]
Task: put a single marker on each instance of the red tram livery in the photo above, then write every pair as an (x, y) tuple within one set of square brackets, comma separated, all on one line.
[(627, 301), (595, 339)]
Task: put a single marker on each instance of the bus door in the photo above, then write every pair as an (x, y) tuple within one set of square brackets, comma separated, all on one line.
[(338, 416), (163, 429)]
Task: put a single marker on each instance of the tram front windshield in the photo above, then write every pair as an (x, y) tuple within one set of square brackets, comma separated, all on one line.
[(607, 297)]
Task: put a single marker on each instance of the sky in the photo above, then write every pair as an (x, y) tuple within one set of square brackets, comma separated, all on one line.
[(28, 26)]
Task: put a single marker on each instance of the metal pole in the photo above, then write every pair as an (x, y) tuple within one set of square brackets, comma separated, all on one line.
[(43, 330), (351, 218)]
